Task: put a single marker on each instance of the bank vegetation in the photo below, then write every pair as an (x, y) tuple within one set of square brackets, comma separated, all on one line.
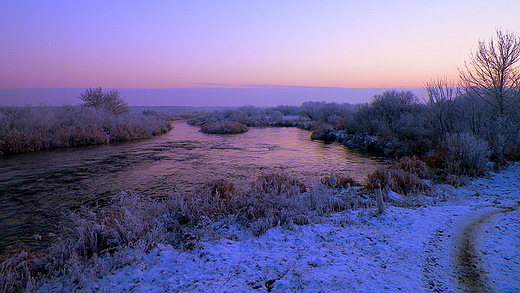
[(102, 119), (461, 129)]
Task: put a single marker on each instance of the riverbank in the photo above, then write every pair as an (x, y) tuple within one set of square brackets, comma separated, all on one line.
[(32, 129), (407, 249), (37, 188)]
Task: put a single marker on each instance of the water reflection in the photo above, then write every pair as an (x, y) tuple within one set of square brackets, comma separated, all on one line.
[(35, 188)]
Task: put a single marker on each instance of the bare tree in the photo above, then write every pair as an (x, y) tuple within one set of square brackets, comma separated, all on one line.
[(441, 90), (492, 73), (110, 101), (441, 94)]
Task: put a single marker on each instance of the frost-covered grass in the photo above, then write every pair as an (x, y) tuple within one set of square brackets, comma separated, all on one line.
[(315, 239), (92, 243), (26, 129)]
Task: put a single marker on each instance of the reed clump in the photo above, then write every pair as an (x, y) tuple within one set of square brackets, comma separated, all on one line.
[(339, 181), (396, 180)]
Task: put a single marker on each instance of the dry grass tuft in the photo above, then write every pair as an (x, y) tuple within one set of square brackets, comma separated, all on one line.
[(261, 211), (412, 165), (399, 181), (21, 270), (455, 180), (339, 181), (221, 188), (278, 184), (212, 201)]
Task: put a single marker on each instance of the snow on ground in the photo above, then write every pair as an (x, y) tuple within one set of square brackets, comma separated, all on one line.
[(499, 245), (404, 250)]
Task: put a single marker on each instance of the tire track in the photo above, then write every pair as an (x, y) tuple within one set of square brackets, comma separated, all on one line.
[(472, 276)]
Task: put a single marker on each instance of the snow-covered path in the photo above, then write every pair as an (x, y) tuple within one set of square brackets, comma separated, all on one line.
[(404, 250), (497, 239)]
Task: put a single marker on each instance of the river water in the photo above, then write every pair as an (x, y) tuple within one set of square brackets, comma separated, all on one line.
[(36, 188)]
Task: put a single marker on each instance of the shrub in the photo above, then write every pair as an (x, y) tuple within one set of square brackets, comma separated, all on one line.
[(327, 113), (226, 127), (324, 134), (462, 154), (109, 101)]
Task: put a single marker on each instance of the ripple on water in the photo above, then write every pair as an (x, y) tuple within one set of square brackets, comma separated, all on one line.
[(36, 188)]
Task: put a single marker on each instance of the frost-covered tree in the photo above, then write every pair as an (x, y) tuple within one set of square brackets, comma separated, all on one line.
[(391, 105), (109, 101), (492, 72)]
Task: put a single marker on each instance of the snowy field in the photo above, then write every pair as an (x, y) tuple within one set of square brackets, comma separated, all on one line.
[(403, 250)]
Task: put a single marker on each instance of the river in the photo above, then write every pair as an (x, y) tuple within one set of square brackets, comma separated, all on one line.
[(36, 188)]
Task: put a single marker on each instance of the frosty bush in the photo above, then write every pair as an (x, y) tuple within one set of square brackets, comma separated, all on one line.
[(111, 101), (93, 243), (463, 154), (26, 129), (324, 133)]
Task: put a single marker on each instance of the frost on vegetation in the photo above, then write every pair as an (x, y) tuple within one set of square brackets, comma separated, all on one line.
[(465, 154), (93, 243), (137, 229), (246, 115), (26, 129), (111, 101)]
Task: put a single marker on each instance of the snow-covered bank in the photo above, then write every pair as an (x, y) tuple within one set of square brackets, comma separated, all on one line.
[(404, 250)]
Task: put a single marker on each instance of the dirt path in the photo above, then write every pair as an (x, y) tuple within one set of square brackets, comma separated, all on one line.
[(472, 276)]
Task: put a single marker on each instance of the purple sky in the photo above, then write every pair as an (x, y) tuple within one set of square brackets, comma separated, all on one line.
[(241, 44)]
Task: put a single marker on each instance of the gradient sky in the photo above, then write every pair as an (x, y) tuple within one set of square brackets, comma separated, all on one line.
[(240, 44)]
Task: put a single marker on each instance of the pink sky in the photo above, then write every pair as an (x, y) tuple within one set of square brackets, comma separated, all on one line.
[(190, 44)]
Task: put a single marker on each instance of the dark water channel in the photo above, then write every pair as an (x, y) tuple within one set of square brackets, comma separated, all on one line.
[(36, 188)]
